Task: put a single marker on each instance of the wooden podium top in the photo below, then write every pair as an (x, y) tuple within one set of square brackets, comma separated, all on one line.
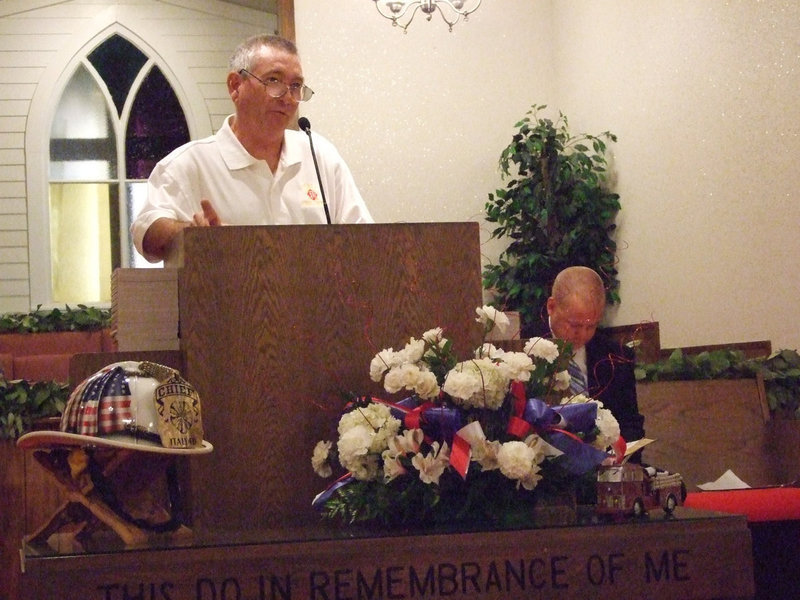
[(694, 554)]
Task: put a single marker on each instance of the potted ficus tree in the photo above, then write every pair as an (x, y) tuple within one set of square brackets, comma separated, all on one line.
[(556, 211)]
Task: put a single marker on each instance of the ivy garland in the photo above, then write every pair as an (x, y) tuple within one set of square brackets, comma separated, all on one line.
[(22, 402)]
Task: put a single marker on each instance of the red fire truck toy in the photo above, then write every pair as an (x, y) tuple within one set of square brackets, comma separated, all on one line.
[(629, 488)]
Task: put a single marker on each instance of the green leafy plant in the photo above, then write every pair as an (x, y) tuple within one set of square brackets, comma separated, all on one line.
[(22, 403), (715, 364), (780, 371), (556, 210), (82, 318)]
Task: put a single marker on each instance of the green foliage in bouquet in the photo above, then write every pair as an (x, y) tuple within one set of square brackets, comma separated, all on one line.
[(484, 497), (463, 447)]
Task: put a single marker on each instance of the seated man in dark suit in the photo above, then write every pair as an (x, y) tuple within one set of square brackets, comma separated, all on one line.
[(575, 309)]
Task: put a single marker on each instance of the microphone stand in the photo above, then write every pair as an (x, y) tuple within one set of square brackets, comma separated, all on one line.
[(305, 125)]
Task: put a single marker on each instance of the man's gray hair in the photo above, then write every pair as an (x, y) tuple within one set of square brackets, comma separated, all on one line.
[(242, 57)]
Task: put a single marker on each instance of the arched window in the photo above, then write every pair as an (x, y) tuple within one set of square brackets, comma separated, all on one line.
[(116, 117)]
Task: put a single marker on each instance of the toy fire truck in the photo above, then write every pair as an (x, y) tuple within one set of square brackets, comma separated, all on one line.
[(630, 489)]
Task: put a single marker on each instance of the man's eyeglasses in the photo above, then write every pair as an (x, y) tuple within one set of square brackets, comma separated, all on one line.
[(277, 89)]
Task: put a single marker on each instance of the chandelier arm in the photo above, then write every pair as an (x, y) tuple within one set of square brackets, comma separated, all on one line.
[(461, 12), (398, 15), (444, 16)]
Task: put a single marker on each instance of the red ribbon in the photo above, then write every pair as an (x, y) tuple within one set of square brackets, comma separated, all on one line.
[(619, 449), (517, 426), (460, 455)]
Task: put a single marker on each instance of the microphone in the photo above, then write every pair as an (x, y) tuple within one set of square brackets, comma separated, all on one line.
[(305, 125)]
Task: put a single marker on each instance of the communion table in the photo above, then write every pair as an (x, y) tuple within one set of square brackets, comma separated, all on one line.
[(693, 554)]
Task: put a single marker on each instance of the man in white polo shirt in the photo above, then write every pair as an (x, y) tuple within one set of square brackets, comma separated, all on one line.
[(254, 170)]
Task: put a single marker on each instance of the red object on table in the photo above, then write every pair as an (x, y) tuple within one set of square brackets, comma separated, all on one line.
[(758, 504)]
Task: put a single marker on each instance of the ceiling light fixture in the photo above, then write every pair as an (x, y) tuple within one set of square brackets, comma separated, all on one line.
[(402, 13)]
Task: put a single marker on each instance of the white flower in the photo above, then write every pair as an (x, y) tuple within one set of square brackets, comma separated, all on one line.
[(462, 384), (478, 383), (382, 362), (484, 452), (489, 351), (413, 351), (433, 336), (426, 385), (392, 467), (518, 461), (562, 381), (432, 465), (608, 426), (319, 460), (516, 366), (576, 399), (540, 347), (402, 377), (412, 377), (366, 469), (373, 422), (354, 444), (406, 443), (491, 317)]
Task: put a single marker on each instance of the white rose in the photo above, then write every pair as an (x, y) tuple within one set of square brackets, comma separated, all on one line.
[(413, 351), (562, 381), (319, 460), (516, 366), (478, 383), (426, 385), (516, 460), (540, 347), (433, 336), (353, 444), (489, 316), (608, 426), (402, 377), (462, 384), (382, 362)]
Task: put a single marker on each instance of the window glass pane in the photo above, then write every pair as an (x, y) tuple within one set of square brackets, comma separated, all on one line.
[(137, 194), (80, 241), (118, 62), (156, 127), (82, 141)]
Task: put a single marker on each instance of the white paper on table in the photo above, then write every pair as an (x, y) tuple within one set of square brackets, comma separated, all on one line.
[(727, 481)]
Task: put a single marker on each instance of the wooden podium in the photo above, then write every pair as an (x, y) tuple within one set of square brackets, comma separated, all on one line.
[(277, 323)]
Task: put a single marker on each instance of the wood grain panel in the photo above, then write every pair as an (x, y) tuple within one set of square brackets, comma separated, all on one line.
[(278, 322), (688, 556), (703, 428)]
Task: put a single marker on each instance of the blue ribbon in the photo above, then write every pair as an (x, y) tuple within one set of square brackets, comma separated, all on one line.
[(579, 457), (321, 498), (438, 422)]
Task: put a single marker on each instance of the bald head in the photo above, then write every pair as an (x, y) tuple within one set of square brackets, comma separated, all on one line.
[(576, 305), (580, 282)]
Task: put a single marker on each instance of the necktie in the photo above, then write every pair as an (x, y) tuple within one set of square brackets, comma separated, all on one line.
[(577, 384)]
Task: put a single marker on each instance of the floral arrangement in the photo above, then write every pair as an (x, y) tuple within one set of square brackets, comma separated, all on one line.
[(483, 439)]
